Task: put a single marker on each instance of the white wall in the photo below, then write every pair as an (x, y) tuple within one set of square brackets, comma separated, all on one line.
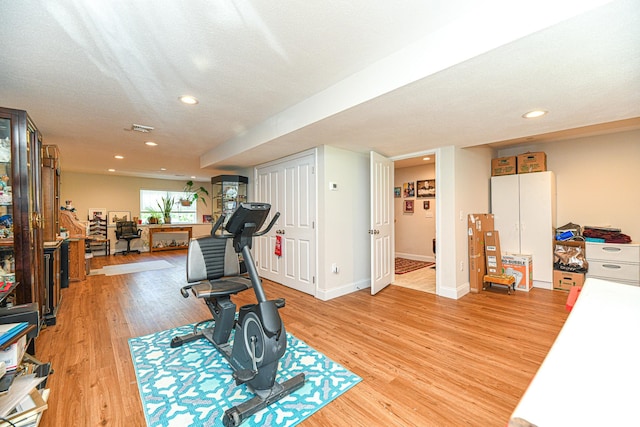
[(343, 222), (598, 179), (414, 232), (473, 179)]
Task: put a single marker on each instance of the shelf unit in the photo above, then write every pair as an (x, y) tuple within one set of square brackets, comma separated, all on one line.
[(228, 192)]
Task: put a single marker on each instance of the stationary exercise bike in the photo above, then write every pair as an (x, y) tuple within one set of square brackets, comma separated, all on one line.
[(260, 339)]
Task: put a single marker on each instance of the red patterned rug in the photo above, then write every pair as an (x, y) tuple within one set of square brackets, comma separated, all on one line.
[(404, 265)]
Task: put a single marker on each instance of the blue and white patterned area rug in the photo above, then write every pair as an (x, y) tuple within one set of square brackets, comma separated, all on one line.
[(192, 385)]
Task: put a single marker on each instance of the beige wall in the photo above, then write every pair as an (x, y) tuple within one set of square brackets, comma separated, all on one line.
[(118, 193), (414, 232), (598, 179), (115, 193)]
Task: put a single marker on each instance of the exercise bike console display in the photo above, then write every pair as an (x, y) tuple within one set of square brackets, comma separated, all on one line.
[(260, 337)]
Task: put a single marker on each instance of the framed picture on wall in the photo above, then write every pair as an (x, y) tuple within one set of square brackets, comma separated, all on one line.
[(409, 189), (397, 191), (427, 188), (115, 216), (97, 212), (408, 206), (425, 205)]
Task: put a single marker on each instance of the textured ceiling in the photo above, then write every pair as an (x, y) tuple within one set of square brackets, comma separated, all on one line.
[(277, 77)]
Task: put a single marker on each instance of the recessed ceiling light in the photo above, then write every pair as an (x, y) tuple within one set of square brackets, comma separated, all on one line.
[(111, 170), (193, 177), (188, 99), (163, 169), (150, 143), (118, 156), (426, 158), (533, 114)]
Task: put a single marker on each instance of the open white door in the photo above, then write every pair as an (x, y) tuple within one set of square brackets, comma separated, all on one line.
[(381, 227)]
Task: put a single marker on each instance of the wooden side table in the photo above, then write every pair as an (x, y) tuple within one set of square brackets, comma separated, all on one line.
[(176, 238)]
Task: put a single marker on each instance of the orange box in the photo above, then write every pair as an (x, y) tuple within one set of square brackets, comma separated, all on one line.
[(565, 280), (478, 224), (492, 252), (503, 166), (532, 162)]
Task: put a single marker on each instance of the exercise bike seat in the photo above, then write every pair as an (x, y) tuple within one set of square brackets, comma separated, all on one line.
[(222, 287)]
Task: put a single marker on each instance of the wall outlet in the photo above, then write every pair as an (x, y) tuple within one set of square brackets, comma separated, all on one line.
[(334, 268), (461, 265)]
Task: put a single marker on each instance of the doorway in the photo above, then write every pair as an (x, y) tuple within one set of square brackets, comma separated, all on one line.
[(415, 222)]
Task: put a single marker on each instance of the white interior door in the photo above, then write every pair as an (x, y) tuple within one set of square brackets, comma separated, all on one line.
[(289, 186), (381, 225)]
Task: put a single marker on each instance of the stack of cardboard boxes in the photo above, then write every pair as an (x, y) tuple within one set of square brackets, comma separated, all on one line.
[(478, 225), (522, 163)]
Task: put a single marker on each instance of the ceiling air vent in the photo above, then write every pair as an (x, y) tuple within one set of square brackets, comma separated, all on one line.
[(141, 128)]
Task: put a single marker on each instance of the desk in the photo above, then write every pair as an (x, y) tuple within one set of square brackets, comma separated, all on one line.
[(591, 374), (168, 238)]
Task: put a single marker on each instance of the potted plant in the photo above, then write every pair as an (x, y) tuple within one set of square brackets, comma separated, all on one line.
[(154, 218), (193, 193), (166, 206)]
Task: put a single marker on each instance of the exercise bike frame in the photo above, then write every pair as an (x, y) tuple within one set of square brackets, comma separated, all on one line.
[(260, 336)]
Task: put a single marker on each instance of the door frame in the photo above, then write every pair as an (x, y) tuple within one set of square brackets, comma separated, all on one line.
[(436, 153)]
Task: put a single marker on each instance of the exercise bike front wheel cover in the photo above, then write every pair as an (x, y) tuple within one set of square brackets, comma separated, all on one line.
[(251, 327)]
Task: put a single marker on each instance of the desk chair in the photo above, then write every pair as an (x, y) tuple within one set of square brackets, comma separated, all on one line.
[(127, 230)]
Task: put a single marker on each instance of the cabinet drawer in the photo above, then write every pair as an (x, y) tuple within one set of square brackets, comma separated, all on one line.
[(614, 270), (613, 251)]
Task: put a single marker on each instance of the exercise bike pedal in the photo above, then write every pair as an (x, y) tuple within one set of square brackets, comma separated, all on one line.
[(279, 302), (244, 375)]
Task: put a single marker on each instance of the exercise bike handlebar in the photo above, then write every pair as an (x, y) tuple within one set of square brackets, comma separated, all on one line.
[(220, 221), (270, 226)]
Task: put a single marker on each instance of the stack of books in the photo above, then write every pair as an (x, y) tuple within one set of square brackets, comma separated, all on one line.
[(11, 330), (13, 344)]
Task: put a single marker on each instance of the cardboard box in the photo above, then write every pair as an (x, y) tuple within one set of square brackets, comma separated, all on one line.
[(478, 224), (520, 266), (503, 166), (12, 356), (565, 280), (492, 252), (532, 162)]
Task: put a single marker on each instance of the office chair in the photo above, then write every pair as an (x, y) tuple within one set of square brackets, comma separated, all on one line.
[(127, 230)]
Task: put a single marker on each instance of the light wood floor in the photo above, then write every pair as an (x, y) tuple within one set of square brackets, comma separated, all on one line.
[(425, 360), (423, 279)]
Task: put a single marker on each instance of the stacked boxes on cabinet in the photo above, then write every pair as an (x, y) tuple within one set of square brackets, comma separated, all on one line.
[(522, 163)]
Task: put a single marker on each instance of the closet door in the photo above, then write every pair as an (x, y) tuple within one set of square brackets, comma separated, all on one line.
[(289, 186), (537, 223), (505, 206)]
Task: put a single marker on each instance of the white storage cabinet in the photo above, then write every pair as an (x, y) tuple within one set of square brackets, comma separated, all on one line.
[(524, 209), (616, 262)]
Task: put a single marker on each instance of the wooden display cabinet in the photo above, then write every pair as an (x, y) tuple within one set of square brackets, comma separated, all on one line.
[(21, 223)]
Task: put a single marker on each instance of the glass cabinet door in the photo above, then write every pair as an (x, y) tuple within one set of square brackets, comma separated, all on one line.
[(21, 246), (7, 258), (228, 192)]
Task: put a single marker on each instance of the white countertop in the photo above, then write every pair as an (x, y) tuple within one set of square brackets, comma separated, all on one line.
[(591, 375)]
